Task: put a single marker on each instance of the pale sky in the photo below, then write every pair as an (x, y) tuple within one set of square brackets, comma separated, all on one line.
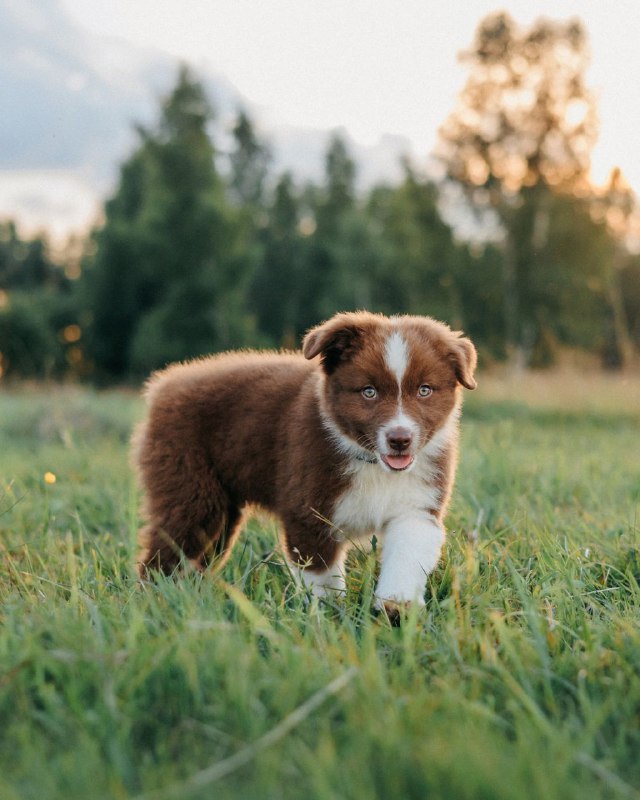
[(371, 67), (374, 66)]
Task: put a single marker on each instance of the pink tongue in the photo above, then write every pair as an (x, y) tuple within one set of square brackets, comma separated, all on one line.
[(398, 462)]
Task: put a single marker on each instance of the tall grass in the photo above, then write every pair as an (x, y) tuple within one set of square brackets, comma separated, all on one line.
[(521, 678)]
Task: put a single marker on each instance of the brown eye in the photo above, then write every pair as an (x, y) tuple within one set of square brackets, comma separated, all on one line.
[(369, 392), (425, 390)]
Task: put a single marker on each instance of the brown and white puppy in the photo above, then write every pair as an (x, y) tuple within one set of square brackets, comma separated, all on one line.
[(358, 442)]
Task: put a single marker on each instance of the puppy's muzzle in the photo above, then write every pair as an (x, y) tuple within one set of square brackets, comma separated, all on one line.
[(399, 439)]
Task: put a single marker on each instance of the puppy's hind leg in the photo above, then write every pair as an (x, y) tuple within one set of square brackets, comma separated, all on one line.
[(209, 542), (190, 515), (219, 545)]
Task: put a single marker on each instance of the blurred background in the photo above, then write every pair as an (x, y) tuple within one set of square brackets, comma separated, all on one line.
[(178, 179)]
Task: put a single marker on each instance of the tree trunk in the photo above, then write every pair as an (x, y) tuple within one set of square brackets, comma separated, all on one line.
[(624, 342), (511, 304)]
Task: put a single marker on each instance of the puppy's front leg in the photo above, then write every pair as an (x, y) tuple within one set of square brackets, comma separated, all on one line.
[(316, 558), (410, 551), (322, 583)]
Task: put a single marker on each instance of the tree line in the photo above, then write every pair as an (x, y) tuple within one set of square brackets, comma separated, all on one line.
[(202, 248)]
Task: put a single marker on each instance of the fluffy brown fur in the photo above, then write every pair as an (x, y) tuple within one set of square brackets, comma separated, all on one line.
[(295, 434)]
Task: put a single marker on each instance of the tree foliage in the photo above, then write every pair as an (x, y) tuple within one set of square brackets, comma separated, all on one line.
[(525, 115), (518, 142), (37, 308), (26, 264), (249, 163), (161, 286), (204, 249)]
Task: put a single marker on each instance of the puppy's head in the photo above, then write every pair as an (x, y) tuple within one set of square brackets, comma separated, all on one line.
[(390, 383)]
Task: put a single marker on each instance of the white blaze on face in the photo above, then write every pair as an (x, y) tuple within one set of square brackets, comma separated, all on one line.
[(396, 358)]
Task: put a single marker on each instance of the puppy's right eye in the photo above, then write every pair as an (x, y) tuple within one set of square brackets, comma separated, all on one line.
[(369, 392)]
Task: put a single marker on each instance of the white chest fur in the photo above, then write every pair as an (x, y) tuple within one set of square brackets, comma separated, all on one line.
[(375, 497), (395, 506)]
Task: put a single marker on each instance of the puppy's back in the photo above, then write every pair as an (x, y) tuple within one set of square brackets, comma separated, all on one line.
[(227, 409)]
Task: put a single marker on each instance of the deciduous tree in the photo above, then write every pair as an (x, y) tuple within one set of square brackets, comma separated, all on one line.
[(522, 132)]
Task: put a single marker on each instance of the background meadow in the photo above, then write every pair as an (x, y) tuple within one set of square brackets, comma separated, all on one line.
[(520, 679)]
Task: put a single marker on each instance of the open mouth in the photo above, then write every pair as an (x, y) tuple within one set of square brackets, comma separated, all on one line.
[(398, 462)]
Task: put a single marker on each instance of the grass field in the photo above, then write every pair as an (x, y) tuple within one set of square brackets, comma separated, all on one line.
[(521, 679)]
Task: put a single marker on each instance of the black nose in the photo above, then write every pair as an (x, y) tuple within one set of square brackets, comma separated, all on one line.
[(399, 438)]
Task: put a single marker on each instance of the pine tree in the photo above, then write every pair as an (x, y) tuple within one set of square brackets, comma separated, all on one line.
[(161, 285), (277, 288)]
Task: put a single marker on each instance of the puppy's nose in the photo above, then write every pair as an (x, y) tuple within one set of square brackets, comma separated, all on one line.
[(399, 438)]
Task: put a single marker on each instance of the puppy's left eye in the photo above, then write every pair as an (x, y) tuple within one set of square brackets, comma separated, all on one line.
[(425, 390)]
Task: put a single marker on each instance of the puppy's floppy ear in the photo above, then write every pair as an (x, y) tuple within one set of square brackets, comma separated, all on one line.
[(334, 340), (464, 358)]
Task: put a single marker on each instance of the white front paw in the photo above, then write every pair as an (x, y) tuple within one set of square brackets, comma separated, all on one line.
[(395, 609), (410, 551), (382, 601)]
